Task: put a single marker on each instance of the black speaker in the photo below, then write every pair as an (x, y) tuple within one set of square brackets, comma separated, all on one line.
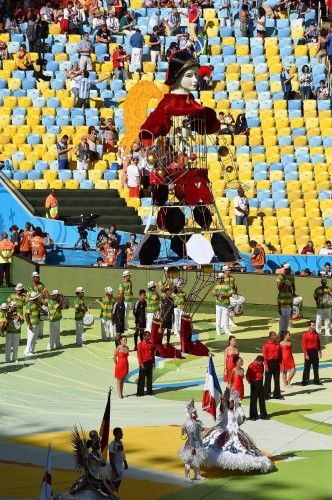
[(174, 220), (224, 247), (149, 249), (202, 216), (178, 245), (160, 195)]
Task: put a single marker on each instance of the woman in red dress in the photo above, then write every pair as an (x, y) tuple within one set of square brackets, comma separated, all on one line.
[(120, 357), (230, 353), (236, 377), (287, 360)]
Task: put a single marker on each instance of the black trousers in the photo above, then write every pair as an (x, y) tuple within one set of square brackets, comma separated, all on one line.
[(257, 393), (25, 254), (82, 103), (5, 273), (274, 371), (145, 374), (314, 361), (138, 332)]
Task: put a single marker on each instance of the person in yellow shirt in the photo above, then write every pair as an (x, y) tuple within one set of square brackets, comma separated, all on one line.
[(23, 59)]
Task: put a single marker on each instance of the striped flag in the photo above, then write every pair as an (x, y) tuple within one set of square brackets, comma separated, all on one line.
[(46, 489), (105, 427), (212, 390)]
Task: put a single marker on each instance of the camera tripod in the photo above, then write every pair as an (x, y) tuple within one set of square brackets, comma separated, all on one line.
[(82, 242)]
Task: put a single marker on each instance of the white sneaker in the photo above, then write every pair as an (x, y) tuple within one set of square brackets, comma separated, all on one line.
[(199, 478), (188, 479), (327, 335)]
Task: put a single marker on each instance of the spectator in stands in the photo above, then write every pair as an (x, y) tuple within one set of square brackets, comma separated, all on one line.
[(241, 125), (63, 150), (261, 23), (47, 12), (305, 273), (327, 248), (204, 75), (244, 17), (308, 249), (82, 152), (71, 18), (15, 238), (25, 244), (31, 34), (137, 43), (112, 23), (3, 50), (305, 82), (172, 22), (193, 19), (6, 252), (97, 22), (312, 34), (326, 271), (257, 256), (92, 143), (241, 208), (322, 46), (110, 134), (131, 247), (133, 178), (171, 51), (38, 252), (226, 126), (52, 205), (127, 23), (85, 85), (74, 75), (286, 82), (119, 57), (11, 25), (155, 45), (322, 92), (301, 8), (329, 47), (103, 35), (111, 252), (84, 50), (23, 59)]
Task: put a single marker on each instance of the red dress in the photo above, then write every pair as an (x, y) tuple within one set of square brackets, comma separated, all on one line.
[(238, 385), (287, 360), (230, 364), (121, 367)]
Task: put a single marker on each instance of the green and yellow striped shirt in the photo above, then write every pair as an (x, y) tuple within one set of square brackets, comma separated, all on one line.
[(20, 301), (220, 289), (36, 288), (127, 289), (33, 309), (106, 305), (152, 301), (54, 313), (179, 299), (285, 293), (79, 309), (11, 328), (319, 294)]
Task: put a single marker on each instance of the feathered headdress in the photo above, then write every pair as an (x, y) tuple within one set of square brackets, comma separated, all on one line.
[(232, 395), (190, 408), (80, 450)]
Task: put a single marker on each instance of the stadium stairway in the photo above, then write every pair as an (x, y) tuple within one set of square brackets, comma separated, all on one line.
[(87, 201)]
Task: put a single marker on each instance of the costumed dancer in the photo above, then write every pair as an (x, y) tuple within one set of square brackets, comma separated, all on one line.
[(179, 298), (222, 292), (80, 310), (227, 446), (287, 365), (152, 304), (139, 312), (55, 305), (192, 453), (120, 358), (118, 461), (167, 313), (106, 310), (236, 377), (12, 325), (231, 353), (323, 299), (126, 286)]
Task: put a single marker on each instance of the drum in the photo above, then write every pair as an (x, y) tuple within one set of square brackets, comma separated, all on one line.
[(88, 319), (297, 308), (237, 304)]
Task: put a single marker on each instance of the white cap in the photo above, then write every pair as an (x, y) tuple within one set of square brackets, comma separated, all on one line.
[(166, 268), (109, 290), (79, 289), (34, 295), (35, 275), (287, 266), (19, 286), (151, 284), (55, 292), (126, 273), (12, 303), (226, 268), (220, 275), (178, 283), (4, 306)]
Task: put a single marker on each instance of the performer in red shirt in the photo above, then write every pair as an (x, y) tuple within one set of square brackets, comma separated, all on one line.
[(254, 376), (312, 352), (272, 360), (145, 356)]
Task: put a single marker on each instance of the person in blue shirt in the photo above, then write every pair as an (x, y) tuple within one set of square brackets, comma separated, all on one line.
[(286, 82), (136, 43)]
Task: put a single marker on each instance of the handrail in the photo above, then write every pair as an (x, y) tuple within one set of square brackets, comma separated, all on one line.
[(16, 193)]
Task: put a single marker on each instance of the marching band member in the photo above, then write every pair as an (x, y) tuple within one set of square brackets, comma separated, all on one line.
[(32, 317), (152, 304), (55, 305), (165, 282), (323, 299), (140, 317), (126, 287), (222, 292), (39, 287), (106, 309), (3, 311), (19, 297), (80, 310), (179, 297), (286, 292), (230, 280), (13, 333)]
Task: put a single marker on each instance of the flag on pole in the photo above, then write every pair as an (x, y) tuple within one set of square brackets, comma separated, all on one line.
[(46, 489), (212, 390), (105, 427)]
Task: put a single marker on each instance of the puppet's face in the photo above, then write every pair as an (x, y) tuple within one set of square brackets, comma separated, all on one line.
[(188, 81)]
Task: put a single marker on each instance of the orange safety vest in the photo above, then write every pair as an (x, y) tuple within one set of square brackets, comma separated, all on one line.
[(259, 258), (37, 247), (51, 203), (25, 241), (6, 248)]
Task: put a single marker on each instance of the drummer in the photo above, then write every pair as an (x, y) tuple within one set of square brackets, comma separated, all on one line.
[(19, 297), (80, 310), (13, 333), (126, 287), (230, 281), (106, 310), (222, 292), (39, 287)]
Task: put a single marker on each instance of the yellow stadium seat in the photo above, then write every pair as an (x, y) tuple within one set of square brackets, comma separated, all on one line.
[(240, 140), (309, 105), (242, 50), (101, 184), (323, 185), (8, 65), (308, 195), (14, 83), (289, 249), (48, 139), (280, 104), (50, 175), (308, 185), (41, 184), (27, 184), (56, 184), (95, 175), (71, 184)]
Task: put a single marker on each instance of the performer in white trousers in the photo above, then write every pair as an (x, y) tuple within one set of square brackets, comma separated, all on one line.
[(13, 325), (55, 315), (323, 299), (222, 292), (229, 280), (152, 304), (126, 287), (80, 310), (106, 305), (179, 298), (32, 317)]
